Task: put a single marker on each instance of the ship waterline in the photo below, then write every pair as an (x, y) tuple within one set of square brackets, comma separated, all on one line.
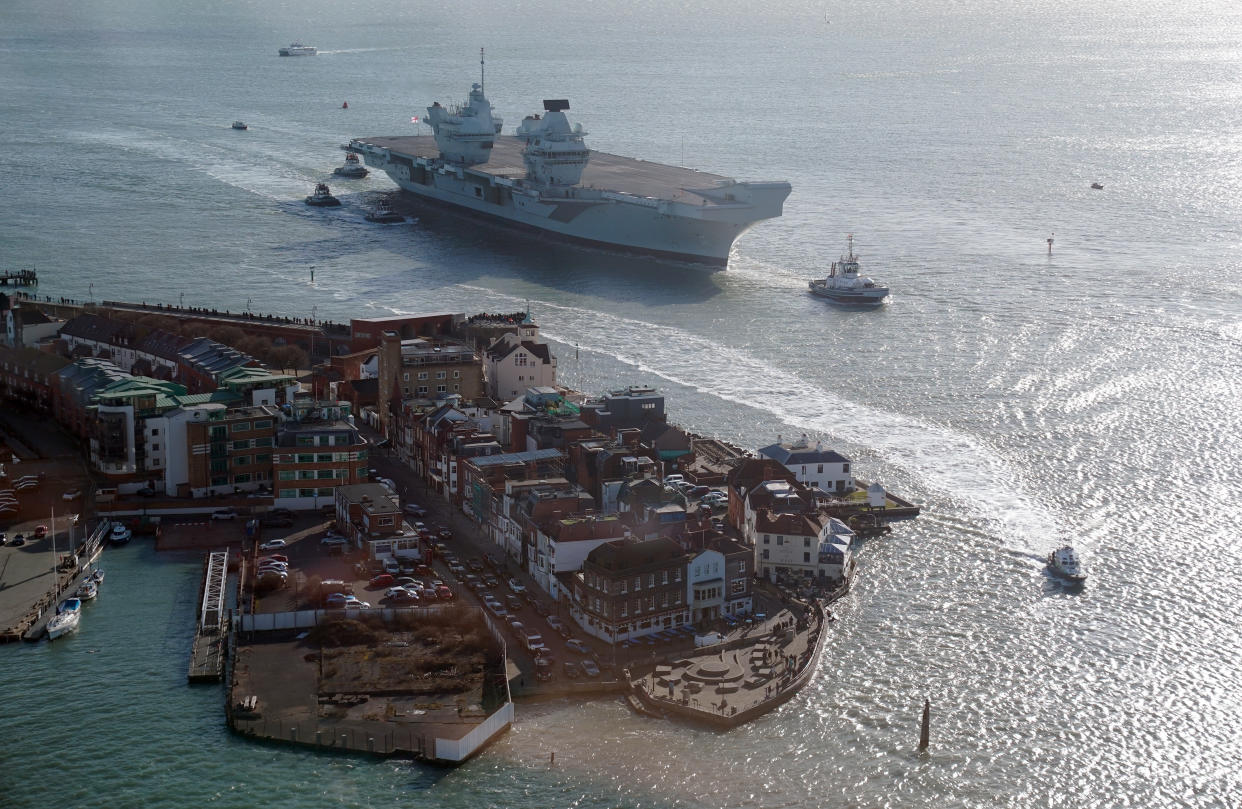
[(621, 203)]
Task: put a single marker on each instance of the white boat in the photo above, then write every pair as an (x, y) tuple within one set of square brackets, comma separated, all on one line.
[(97, 577), (1064, 562), (384, 214), (845, 286), (353, 168), (119, 534), (87, 590), (298, 49), (240, 125), (68, 615)]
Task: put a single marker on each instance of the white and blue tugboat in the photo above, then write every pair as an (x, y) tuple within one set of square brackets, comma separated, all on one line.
[(1064, 562), (845, 286)]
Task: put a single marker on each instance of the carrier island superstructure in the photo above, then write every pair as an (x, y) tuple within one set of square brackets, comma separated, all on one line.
[(545, 179)]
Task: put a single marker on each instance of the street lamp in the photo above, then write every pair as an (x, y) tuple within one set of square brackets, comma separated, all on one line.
[(248, 302), (181, 301), (90, 291)]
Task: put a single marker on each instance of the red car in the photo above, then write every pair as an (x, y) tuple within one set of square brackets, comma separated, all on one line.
[(382, 580), (40, 531), (444, 593)]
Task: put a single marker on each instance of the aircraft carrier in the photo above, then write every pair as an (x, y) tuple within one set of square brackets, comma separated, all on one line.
[(544, 179)]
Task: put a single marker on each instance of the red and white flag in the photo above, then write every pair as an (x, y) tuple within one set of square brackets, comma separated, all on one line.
[(414, 120)]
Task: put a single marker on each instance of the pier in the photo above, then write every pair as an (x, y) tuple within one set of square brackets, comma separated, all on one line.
[(19, 278), (207, 652)]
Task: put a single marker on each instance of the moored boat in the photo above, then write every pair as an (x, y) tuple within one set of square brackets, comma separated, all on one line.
[(240, 125), (844, 285), (97, 576), (322, 197), (68, 615), (119, 534), (353, 168), (1064, 562), (87, 590)]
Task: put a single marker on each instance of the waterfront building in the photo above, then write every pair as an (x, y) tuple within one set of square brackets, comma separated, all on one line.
[(317, 449), (212, 448), (26, 377), (369, 516), (628, 588), (815, 466), (517, 361), (560, 545)]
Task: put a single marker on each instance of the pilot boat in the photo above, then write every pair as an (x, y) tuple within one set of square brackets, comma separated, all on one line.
[(1064, 562), (845, 286)]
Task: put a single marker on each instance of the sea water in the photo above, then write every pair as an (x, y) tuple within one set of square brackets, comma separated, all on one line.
[(1026, 399)]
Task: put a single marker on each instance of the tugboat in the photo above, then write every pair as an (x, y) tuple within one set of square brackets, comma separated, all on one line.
[(322, 197), (240, 125), (1064, 562), (1097, 186), (353, 168), (845, 286), (384, 214)]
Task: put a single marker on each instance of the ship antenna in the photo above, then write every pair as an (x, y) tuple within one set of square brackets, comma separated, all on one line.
[(482, 85)]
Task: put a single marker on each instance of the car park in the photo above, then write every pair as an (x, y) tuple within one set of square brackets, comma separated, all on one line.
[(224, 514), (382, 580), (577, 646), (273, 545), (589, 668)]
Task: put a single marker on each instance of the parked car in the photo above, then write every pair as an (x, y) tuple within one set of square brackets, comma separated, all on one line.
[(516, 586), (415, 510), (558, 625), (146, 491), (353, 603), (333, 539), (589, 668), (224, 514), (444, 533), (18, 540), (273, 545), (516, 625), (276, 520), (73, 495), (335, 600), (444, 593), (571, 669), (40, 531), (674, 478), (543, 668), (491, 582), (577, 646), (274, 557), (457, 569), (382, 580), (475, 564), (513, 602), (698, 491)]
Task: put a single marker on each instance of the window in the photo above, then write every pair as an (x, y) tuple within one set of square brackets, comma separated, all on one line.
[(323, 457), (780, 540), (741, 567), (821, 469), (664, 577), (155, 447), (241, 427), (765, 553), (266, 441), (806, 542), (155, 431), (651, 582), (241, 460), (806, 558), (422, 390), (440, 374), (305, 458), (220, 465), (263, 424), (342, 474), (441, 389), (287, 475), (845, 468), (737, 587), (288, 492), (262, 459), (457, 387), (405, 377), (241, 478), (385, 521), (767, 538), (305, 441), (457, 374), (520, 360), (638, 583), (306, 492), (306, 474), (218, 433), (325, 474), (242, 444)]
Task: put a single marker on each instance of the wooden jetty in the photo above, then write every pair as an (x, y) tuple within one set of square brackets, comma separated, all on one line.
[(19, 278)]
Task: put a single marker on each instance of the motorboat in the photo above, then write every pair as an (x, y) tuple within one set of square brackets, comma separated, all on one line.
[(353, 168), (1064, 562), (240, 125), (322, 197), (298, 49), (119, 534), (97, 576), (384, 213), (68, 615), (1097, 186), (87, 590), (844, 285)]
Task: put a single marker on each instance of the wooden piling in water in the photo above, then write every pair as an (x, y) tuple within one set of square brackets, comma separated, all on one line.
[(925, 731)]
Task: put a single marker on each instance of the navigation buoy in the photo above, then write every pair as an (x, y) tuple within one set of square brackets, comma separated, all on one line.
[(345, 105), (1050, 244), (925, 731)]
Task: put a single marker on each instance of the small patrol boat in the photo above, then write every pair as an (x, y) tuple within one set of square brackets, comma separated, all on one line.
[(845, 286), (1064, 562), (384, 214), (240, 125), (298, 49), (322, 197)]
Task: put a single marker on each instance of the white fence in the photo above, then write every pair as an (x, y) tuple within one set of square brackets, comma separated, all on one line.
[(305, 619), (461, 749)]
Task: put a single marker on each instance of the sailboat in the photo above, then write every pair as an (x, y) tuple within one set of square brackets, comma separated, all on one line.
[(68, 615)]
